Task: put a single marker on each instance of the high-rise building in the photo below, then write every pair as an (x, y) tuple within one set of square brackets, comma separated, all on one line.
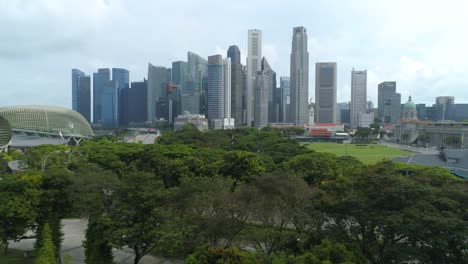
[(84, 97), (134, 109), (263, 94), (156, 88), (179, 72), (236, 84), (325, 92), (285, 100), (169, 74), (253, 67), (121, 77), (197, 71), (110, 104), (75, 75), (191, 102), (299, 77), (358, 95), (445, 108), (219, 92), (389, 103), (100, 80), (343, 117)]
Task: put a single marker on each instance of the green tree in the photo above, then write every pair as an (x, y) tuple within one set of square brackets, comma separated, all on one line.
[(241, 165), (139, 214), (452, 141), (46, 253), (19, 197), (314, 167)]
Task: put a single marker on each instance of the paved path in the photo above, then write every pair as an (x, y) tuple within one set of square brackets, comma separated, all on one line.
[(74, 230), (410, 148)]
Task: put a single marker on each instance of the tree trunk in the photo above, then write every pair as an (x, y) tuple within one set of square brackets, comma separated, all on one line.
[(5, 249)]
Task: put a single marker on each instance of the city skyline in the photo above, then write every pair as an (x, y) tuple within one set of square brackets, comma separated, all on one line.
[(419, 55)]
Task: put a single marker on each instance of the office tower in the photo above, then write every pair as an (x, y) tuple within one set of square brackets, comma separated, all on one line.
[(190, 102), (215, 91), (261, 99), (75, 75), (197, 70), (121, 77), (253, 67), (227, 87), (325, 92), (267, 89), (156, 88), (236, 84), (109, 104), (299, 77), (100, 79), (175, 96), (445, 108), (389, 103), (461, 112), (179, 72), (358, 95), (163, 109), (343, 117), (83, 97), (244, 95), (169, 75), (285, 100), (133, 110)]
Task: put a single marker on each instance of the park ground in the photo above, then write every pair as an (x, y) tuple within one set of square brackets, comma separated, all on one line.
[(367, 153)]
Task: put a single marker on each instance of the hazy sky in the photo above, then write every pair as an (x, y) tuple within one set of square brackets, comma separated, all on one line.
[(420, 44)]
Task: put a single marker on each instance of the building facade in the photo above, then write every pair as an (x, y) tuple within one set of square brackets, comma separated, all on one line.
[(100, 79), (83, 97), (299, 77), (254, 57), (215, 91), (179, 73), (133, 110), (236, 84), (121, 77), (358, 96), (389, 103), (76, 74), (157, 81), (325, 92), (285, 109)]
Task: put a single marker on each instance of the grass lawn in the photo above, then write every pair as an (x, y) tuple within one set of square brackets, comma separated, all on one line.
[(14, 256), (368, 154)]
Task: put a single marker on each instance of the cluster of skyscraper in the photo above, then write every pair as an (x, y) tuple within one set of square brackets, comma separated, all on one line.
[(227, 92)]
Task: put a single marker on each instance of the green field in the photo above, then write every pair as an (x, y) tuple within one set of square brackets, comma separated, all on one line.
[(368, 154)]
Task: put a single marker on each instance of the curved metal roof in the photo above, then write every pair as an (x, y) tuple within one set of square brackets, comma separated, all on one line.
[(47, 120), (5, 132)]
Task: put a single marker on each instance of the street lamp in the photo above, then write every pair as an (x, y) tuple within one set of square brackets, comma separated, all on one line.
[(44, 160)]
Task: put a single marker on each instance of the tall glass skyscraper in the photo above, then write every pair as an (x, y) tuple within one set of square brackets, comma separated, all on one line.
[(84, 97), (358, 95), (121, 77), (179, 72), (157, 82), (236, 84), (215, 91), (100, 80), (75, 75), (285, 100), (299, 77), (389, 104), (109, 104), (253, 67)]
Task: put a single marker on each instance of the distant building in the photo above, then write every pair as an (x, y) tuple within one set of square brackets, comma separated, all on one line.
[(300, 78), (261, 100), (325, 92), (76, 74), (358, 96), (365, 119), (219, 93), (83, 97), (109, 105), (409, 111), (179, 73), (254, 57), (389, 104), (191, 102), (345, 118), (100, 80), (461, 112), (121, 78), (134, 104), (285, 105), (157, 81), (199, 121), (445, 108), (236, 84)]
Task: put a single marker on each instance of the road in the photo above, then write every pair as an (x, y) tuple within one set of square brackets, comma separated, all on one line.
[(74, 230)]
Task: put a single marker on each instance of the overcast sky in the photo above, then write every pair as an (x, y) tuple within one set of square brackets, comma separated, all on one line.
[(420, 44)]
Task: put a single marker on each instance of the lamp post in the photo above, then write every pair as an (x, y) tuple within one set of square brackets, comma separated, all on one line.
[(44, 160)]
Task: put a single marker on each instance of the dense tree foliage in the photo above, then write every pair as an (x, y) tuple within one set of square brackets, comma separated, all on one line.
[(209, 196), (46, 253)]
